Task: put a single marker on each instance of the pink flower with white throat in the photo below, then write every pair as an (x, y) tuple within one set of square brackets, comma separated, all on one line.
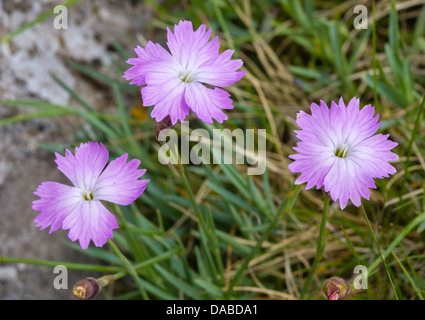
[(174, 82), (339, 150), (78, 208)]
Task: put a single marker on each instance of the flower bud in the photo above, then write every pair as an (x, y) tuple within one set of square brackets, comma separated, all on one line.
[(89, 287), (86, 289), (163, 124), (336, 288)]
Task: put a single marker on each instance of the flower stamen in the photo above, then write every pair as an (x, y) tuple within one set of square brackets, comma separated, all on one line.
[(187, 75), (342, 152), (88, 195)]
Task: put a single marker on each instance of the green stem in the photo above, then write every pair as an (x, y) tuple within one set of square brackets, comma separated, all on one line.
[(73, 266), (201, 220), (406, 273), (223, 25), (192, 199), (412, 138), (130, 268), (292, 196), (379, 252), (419, 219), (375, 77), (147, 263), (321, 243)]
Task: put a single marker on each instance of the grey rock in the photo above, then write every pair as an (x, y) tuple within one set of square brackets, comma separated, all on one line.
[(25, 63)]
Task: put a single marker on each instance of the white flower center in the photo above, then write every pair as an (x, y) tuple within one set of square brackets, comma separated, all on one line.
[(187, 75), (342, 151)]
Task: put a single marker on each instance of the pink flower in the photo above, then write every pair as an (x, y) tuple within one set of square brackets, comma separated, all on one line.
[(340, 151), (79, 208), (174, 83)]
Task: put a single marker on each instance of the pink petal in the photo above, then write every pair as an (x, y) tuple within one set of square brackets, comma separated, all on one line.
[(208, 103), (315, 127), (373, 154), (150, 59), (192, 49), (348, 129), (119, 182), (167, 97), (221, 71), (83, 168), (56, 202), (90, 220), (313, 162), (347, 180), (358, 124)]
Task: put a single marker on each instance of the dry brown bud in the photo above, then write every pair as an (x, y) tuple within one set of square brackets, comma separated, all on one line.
[(86, 289), (163, 124)]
